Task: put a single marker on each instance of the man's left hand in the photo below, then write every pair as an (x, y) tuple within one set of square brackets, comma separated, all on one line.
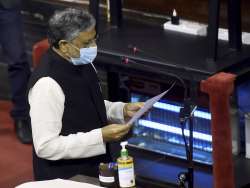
[(131, 108)]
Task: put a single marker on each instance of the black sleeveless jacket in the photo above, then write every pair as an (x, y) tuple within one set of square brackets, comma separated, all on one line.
[(84, 110)]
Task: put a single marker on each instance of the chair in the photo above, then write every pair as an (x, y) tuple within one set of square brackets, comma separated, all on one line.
[(38, 49)]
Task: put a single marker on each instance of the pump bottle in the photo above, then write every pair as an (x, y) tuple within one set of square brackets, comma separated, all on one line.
[(126, 173)]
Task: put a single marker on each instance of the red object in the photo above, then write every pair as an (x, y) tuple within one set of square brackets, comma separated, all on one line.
[(219, 88), (135, 50), (125, 60), (38, 50)]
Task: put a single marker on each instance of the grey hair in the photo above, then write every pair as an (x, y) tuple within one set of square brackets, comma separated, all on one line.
[(67, 24)]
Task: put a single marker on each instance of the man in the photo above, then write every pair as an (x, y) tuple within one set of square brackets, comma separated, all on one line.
[(12, 43), (68, 114)]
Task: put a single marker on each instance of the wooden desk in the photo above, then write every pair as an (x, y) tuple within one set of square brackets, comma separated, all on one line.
[(172, 52), (140, 182), (161, 170)]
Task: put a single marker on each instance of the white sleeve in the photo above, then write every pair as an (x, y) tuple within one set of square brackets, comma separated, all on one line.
[(115, 111), (46, 100)]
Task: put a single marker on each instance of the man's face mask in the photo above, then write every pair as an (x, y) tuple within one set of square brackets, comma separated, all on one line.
[(87, 55)]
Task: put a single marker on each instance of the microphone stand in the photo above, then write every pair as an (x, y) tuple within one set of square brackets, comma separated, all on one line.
[(186, 115)]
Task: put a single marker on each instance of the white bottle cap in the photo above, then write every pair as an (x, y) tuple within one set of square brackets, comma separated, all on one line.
[(124, 151)]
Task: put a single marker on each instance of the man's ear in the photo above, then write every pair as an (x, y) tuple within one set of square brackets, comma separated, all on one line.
[(63, 46)]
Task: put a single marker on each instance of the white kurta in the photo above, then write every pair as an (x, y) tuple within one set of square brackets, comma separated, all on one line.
[(46, 99)]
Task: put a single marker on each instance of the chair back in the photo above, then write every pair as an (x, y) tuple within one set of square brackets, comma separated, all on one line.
[(38, 49)]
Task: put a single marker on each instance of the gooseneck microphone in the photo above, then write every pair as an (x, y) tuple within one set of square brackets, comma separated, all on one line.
[(135, 50), (186, 114)]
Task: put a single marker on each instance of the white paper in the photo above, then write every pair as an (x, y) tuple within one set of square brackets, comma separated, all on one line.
[(56, 183), (148, 104)]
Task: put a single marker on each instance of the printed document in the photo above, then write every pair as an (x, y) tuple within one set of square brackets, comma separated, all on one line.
[(56, 183), (148, 104)]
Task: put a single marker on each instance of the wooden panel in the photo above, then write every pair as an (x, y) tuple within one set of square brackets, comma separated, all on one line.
[(185, 8), (196, 10)]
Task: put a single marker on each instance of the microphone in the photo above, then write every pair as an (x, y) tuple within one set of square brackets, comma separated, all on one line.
[(126, 60), (135, 49), (185, 114)]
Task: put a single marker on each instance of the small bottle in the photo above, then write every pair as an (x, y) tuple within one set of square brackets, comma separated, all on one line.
[(107, 173), (126, 173), (175, 18)]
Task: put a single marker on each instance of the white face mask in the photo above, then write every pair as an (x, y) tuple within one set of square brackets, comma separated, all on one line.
[(87, 55)]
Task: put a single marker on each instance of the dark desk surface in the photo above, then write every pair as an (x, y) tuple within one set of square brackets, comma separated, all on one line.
[(146, 183), (167, 51), (155, 167), (159, 174)]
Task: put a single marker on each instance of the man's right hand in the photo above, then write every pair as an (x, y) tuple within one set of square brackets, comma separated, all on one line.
[(114, 132)]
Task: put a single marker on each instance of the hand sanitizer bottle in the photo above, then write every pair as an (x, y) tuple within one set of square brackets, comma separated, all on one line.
[(126, 173)]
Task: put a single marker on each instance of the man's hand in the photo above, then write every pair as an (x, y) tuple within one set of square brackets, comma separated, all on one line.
[(131, 108), (114, 132)]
